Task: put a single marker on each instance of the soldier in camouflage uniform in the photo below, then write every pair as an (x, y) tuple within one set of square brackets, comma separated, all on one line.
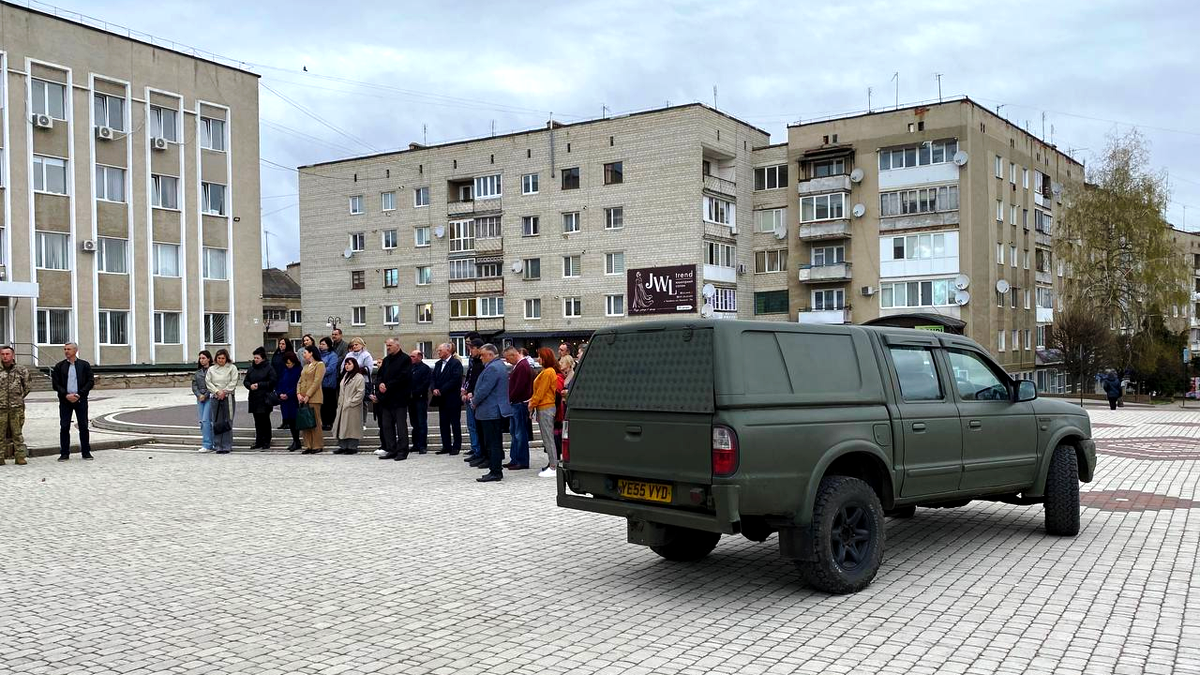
[(15, 384)]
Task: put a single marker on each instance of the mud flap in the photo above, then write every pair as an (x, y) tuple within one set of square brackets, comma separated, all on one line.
[(795, 543)]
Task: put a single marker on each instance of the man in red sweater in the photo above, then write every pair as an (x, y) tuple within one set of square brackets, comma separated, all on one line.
[(520, 390)]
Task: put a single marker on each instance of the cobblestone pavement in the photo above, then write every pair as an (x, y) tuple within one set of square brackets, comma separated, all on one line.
[(159, 561)]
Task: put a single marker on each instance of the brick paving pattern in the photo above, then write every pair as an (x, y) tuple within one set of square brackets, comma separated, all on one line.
[(162, 561)]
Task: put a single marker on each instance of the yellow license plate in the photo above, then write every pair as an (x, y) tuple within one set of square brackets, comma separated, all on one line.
[(650, 492)]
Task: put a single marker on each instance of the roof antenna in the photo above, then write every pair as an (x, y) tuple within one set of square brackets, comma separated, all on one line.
[(868, 99), (714, 96), (603, 111), (424, 135), (939, 80), (493, 127), (896, 77)]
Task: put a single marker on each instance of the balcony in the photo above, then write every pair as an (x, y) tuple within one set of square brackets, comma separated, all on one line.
[(825, 316), (1045, 315), (723, 274), (819, 274), (720, 186), (918, 221), (275, 326), (1044, 277), (826, 229), (1043, 239), (471, 207), (489, 245), (814, 186)]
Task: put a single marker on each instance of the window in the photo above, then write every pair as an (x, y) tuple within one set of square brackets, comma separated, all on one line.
[(49, 98), (529, 226), (387, 202), (771, 177), (164, 123), (1025, 178), (1040, 333), (571, 222), (1000, 339), (1028, 298), (462, 235), (465, 192), (531, 269), (487, 270), (391, 277), (919, 247), (424, 312), (570, 179), (614, 218), (358, 280), (721, 255), (460, 344), (112, 327), (771, 302), (999, 211), (212, 134), (1016, 340), (767, 262), (718, 211), (533, 308), (112, 255), (999, 166), (356, 205), (828, 255), (164, 192), (110, 183), (1042, 221), (49, 175), (389, 239), (426, 348), (463, 268), (828, 299), (295, 317), (529, 184), (1013, 295), (937, 152), (421, 237), (725, 300), (487, 187), (822, 207), (1012, 173), (1027, 343), (916, 373), (166, 328), (166, 260), (462, 308), (1012, 255), (53, 326), (109, 111), (570, 266), (614, 305), (822, 169), (1012, 214), (358, 316), (491, 306), (614, 263), (769, 220), (420, 197), (930, 293), (976, 380), (53, 250), (424, 275), (1025, 219), (391, 315), (212, 198), (925, 200), (572, 308), (214, 263), (358, 241), (999, 253), (1044, 297), (214, 329), (487, 228), (614, 173)]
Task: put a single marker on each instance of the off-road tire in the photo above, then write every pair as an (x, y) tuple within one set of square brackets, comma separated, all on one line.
[(1062, 493), (903, 511), (687, 545), (855, 508)]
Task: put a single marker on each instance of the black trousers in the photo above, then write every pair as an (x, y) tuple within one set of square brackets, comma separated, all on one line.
[(450, 422), (80, 410), (393, 430), (418, 418), (262, 429), (329, 407), (491, 442), (1112, 404)]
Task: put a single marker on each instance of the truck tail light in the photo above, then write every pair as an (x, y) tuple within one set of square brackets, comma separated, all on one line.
[(724, 451), (566, 442)]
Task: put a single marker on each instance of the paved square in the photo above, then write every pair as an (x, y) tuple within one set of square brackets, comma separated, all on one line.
[(158, 561)]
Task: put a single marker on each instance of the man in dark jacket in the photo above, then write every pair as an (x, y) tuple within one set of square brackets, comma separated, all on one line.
[(393, 389), (1112, 388), (474, 368), (73, 381), (418, 404), (447, 398)]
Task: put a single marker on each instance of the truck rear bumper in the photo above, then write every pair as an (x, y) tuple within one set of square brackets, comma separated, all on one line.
[(725, 519)]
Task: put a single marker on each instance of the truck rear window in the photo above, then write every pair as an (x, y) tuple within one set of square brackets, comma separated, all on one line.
[(654, 371)]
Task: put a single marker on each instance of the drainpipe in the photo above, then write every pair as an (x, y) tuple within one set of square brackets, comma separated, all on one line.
[(551, 125)]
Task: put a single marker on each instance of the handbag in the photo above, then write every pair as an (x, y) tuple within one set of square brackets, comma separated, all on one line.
[(272, 398), (305, 418), (221, 421)]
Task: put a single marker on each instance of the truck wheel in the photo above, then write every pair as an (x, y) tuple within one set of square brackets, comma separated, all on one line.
[(1062, 493), (847, 535), (903, 511), (687, 545)]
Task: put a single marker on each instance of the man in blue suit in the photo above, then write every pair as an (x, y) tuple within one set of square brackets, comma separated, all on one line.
[(447, 385), (490, 402)]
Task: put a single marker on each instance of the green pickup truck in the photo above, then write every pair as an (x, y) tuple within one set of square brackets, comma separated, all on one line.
[(694, 429)]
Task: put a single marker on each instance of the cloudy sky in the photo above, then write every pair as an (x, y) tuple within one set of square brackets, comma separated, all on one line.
[(380, 72)]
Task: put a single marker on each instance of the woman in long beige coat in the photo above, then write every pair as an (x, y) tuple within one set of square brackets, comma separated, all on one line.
[(308, 392), (348, 424)]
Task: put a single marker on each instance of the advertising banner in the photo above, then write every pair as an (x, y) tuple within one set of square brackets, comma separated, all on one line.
[(661, 290)]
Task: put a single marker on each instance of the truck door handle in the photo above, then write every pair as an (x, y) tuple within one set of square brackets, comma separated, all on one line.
[(634, 430), (975, 424), (918, 427)]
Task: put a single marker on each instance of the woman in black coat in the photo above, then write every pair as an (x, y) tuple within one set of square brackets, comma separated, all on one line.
[(282, 348), (260, 380)]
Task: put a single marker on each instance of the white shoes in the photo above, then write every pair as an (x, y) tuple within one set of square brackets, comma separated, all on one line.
[(381, 452), (204, 450), (548, 472)]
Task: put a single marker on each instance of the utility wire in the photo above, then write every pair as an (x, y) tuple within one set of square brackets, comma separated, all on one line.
[(320, 119), (300, 134)]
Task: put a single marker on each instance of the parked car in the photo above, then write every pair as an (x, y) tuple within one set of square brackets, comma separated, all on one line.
[(694, 429)]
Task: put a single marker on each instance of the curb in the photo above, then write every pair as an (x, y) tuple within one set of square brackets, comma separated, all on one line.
[(53, 450)]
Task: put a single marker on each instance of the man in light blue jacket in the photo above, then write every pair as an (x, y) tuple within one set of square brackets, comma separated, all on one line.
[(491, 406)]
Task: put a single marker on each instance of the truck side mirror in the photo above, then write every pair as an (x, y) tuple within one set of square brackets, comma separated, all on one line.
[(1026, 391)]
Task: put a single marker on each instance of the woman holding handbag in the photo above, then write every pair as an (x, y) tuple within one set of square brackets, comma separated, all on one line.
[(260, 380), (286, 391), (222, 380), (348, 425), (310, 396)]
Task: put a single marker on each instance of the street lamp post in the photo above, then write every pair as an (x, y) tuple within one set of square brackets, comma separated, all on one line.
[(332, 322)]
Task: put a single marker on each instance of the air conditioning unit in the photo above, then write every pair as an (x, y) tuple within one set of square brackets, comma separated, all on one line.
[(43, 121), (89, 245), (867, 291), (741, 268), (158, 143), (105, 133)]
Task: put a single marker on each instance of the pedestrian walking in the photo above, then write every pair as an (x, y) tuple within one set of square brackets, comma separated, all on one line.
[(447, 384), (260, 380), (336, 343), (393, 386), (490, 402), (73, 381), (204, 401), (520, 390), (329, 385), (222, 380), (15, 385), (474, 368), (310, 395), (546, 387), (282, 349), (289, 404), (1112, 388), (348, 423), (418, 402)]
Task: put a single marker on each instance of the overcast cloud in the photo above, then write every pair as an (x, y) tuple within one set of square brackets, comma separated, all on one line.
[(1085, 63)]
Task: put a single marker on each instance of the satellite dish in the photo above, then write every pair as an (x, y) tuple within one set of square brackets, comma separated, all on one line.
[(517, 266), (961, 298), (706, 311), (1003, 286), (962, 281), (961, 157), (858, 210), (1056, 188), (708, 290), (781, 231), (348, 253), (856, 176), (439, 232)]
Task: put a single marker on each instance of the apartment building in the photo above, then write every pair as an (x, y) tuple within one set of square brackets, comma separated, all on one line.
[(937, 216), (281, 311), (543, 236), (130, 197)]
